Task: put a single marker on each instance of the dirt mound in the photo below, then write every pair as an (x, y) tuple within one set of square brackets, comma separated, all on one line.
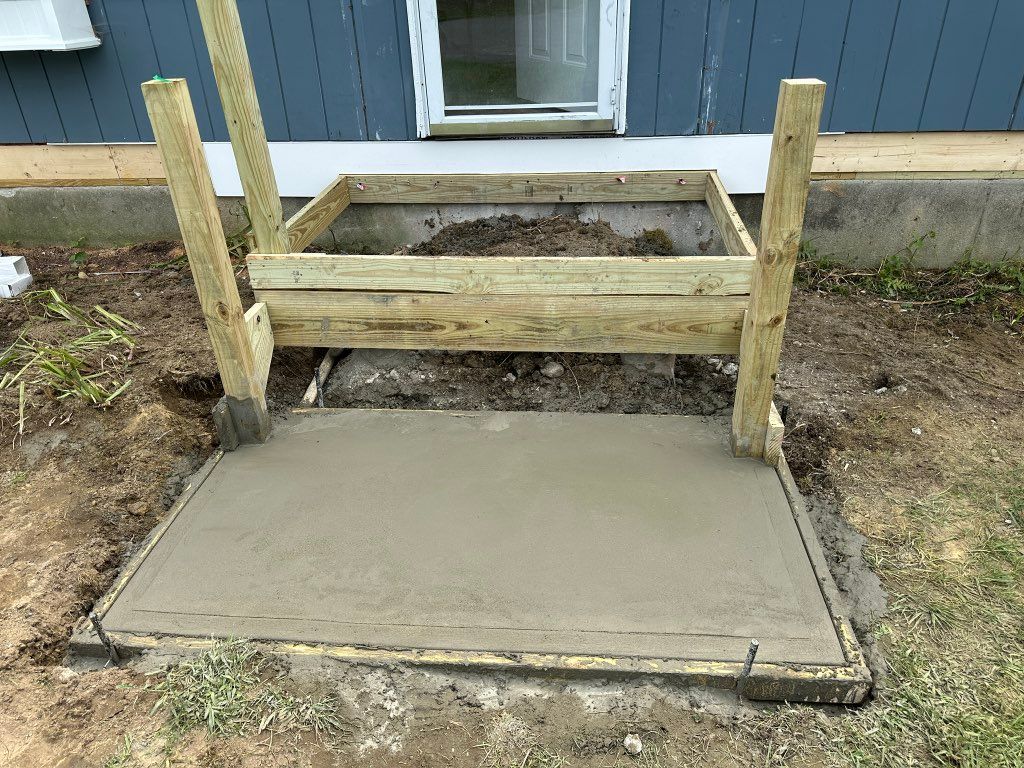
[(512, 235)]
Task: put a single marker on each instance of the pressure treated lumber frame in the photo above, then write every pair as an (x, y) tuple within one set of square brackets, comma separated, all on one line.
[(734, 303)]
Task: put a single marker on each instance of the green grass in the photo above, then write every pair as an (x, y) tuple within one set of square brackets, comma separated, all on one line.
[(87, 363), (229, 690), (123, 757), (969, 282), (953, 640)]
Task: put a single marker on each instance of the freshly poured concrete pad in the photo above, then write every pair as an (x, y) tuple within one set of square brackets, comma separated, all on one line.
[(513, 533)]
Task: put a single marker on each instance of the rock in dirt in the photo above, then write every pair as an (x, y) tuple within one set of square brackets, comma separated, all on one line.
[(661, 365), (730, 369), (632, 744), (553, 370)]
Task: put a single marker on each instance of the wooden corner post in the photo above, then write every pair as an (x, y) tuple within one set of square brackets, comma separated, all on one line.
[(223, 31), (785, 201), (242, 415)]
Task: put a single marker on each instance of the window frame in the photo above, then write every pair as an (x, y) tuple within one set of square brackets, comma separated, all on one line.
[(609, 117)]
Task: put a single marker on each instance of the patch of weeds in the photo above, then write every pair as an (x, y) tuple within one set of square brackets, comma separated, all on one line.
[(14, 479), (655, 241), (84, 359), (229, 690), (969, 282), (240, 243), (123, 757), (79, 257), (511, 744)]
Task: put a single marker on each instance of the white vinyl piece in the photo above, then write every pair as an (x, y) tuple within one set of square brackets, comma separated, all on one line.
[(14, 276), (304, 168), (45, 25)]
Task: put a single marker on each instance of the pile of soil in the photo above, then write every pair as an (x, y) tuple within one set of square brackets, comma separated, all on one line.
[(512, 235)]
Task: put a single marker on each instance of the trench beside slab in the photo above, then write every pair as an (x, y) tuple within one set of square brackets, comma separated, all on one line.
[(511, 533)]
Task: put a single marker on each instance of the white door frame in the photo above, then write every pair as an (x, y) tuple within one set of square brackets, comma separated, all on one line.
[(431, 119)]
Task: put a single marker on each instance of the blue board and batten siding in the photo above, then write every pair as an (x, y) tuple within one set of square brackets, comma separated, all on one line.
[(330, 70)]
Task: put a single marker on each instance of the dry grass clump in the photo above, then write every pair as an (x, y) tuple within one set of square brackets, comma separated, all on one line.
[(511, 744), (84, 354), (228, 690)]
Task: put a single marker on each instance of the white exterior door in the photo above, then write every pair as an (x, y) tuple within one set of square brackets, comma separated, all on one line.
[(557, 50), (519, 66)]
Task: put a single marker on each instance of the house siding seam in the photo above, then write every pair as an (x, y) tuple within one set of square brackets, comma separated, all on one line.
[(333, 70)]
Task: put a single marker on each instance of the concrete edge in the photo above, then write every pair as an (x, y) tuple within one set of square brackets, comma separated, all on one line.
[(814, 684), (855, 660), (136, 560)]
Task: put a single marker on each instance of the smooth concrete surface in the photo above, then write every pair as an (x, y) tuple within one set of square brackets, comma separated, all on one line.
[(857, 222), (619, 535)]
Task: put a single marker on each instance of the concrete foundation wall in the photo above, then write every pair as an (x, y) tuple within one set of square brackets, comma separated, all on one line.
[(856, 222)]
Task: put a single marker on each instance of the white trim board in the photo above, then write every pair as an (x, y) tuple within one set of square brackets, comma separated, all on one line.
[(304, 168)]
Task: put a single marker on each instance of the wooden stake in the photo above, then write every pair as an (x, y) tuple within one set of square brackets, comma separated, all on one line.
[(177, 136), (223, 31), (785, 201)]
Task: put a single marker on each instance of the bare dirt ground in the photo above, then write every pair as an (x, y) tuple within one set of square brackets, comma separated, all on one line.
[(904, 428)]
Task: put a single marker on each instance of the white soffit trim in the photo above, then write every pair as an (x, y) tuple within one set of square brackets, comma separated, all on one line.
[(304, 168)]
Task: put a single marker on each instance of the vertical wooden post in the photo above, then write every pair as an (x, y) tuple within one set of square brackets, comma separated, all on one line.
[(223, 31), (785, 201), (188, 177)]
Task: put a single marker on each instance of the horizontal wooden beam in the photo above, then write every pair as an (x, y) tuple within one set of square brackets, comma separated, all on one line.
[(734, 232), (995, 154), (666, 324), (681, 276), (80, 165), (943, 155), (318, 214), (625, 186)]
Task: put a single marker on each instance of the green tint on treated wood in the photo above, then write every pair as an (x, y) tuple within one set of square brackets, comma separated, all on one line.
[(789, 172), (585, 275)]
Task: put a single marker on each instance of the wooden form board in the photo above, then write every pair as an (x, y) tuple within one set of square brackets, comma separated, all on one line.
[(544, 323), (734, 232), (681, 276), (317, 215), (998, 154), (978, 154), (74, 165), (628, 186)]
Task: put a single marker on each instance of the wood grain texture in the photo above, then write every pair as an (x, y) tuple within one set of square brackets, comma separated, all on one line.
[(682, 276), (637, 186), (69, 165), (174, 123), (734, 232), (910, 156), (317, 215), (773, 439), (994, 154), (231, 67), (666, 324), (796, 130), (261, 340)]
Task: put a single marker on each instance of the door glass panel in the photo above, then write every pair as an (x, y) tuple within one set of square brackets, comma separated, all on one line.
[(519, 56)]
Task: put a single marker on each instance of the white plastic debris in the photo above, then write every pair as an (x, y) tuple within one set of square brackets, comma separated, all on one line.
[(632, 744), (916, 430), (14, 276)]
